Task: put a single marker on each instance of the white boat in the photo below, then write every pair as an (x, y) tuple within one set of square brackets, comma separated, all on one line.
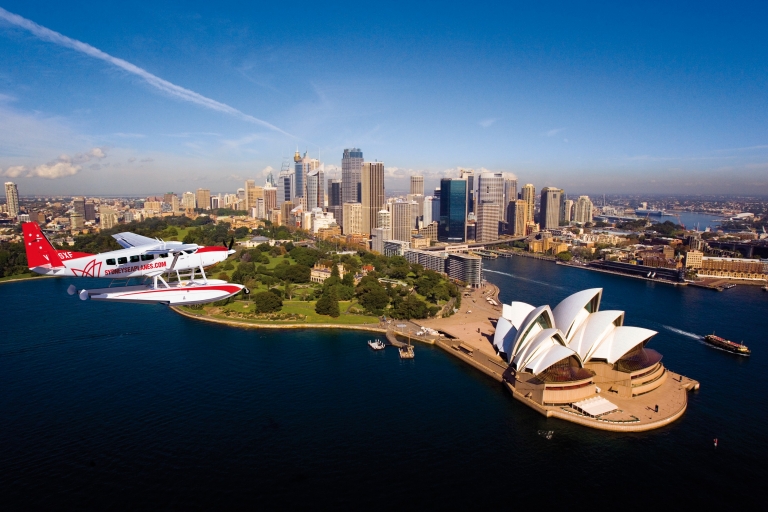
[(376, 344)]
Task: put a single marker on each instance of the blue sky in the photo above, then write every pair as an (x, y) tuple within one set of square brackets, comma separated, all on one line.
[(594, 98)]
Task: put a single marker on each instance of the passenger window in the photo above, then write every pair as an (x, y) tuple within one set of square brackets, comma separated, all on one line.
[(164, 255), (147, 257), (122, 260), (110, 261), (134, 259)]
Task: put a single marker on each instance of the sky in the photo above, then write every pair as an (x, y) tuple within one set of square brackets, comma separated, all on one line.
[(592, 97)]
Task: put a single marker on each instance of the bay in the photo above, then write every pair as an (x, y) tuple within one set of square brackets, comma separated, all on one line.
[(125, 406)]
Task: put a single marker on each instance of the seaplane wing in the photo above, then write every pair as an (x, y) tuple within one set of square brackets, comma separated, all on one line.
[(131, 240)]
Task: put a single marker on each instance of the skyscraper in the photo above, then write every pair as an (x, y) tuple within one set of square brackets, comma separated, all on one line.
[(284, 187), (401, 221), (315, 189), (510, 193), (353, 218), (78, 204), (203, 198), (427, 211), (488, 216), (384, 221), (270, 199), (372, 189), (90, 211), (469, 175), (517, 217), (490, 189), (302, 166), (453, 210), (188, 201), (583, 210), (567, 215), (12, 199), (335, 202), (528, 194), (351, 172), (549, 214), (108, 217), (417, 185)]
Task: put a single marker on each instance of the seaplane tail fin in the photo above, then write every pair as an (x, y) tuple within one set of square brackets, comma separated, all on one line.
[(40, 252)]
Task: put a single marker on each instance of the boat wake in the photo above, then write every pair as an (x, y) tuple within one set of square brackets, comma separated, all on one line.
[(684, 333), (513, 276)]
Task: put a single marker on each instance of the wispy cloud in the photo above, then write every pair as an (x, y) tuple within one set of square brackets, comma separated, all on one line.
[(165, 86), (485, 123), (129, 135), (553, 132)]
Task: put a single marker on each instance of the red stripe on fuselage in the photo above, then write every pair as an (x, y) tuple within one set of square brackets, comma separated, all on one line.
[(223, 288)]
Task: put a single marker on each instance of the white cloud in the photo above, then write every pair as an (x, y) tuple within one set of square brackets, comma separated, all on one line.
[(54, 170), (485, 123), (165, 86), (265, 171), (15, 171), (553, 132)]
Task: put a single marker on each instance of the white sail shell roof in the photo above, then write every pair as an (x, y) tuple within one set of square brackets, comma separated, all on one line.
[(548, 357), (594, 330), (530, 327), (503, 328), (532, 345), (571, 311), (620, 341)]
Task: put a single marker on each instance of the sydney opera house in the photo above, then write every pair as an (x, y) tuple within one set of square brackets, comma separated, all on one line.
[(575, 355)]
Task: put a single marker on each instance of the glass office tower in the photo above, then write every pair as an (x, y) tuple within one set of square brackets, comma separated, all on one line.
[(453, 211)]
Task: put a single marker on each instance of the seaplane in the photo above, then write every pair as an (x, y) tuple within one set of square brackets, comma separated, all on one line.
[(167, 270)]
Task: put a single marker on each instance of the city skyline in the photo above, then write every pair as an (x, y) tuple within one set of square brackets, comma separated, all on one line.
[(144, 99)]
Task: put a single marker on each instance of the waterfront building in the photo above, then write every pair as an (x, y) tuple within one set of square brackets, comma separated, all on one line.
[(467, 269), (453, 210), (564, 355), (203, 197), (351, 175), (726, 268), (12, 199), (417, 185), (107, 218), (353, 218), (401, 221), (469, 177), (431, 260), (510, 194), (583, 210), (372, 189), (488, 218), (549, 214), (517, 217), (528, 194)]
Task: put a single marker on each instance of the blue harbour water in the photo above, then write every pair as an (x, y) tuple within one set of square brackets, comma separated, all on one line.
[(109, 406)]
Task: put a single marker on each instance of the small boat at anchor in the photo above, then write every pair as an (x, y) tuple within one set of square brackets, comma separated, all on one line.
[(376, 344)]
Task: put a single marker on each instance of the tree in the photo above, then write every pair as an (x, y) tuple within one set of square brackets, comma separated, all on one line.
[(267, 302), (372, 296), (328, 305), (564, 256)]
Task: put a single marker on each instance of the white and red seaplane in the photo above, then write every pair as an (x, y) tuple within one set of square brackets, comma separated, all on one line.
[(144, 258)]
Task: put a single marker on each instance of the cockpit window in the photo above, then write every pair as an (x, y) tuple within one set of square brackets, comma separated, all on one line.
[(190, 251)]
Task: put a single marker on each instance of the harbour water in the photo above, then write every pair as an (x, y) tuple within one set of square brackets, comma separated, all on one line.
[(125, 406)]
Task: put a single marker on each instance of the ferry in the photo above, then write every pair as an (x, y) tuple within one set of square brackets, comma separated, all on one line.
[(736, 348), (376, 345)]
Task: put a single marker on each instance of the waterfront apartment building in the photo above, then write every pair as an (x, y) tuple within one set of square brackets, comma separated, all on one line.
[(378, 237), (528, 194), (353, 218), (12, 199), (453, 210), (583, 210), (727, 268), (430, 260), (203, 196), (401, 221), (417, 185), (567, 213), (372, 189), (488, 218), (465, 268), (395, 247), (351, 175), (549, 214)]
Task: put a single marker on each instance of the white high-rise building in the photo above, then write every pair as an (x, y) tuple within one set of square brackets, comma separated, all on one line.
[(488, 216), (417, 185), (401, 221), (426, 218), (12, 199), (583, 210), (510, 193), (188, 201), (315, 189), (490, 189), (567, 214), (353, 218)]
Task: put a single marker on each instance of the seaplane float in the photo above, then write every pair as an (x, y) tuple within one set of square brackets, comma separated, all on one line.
[(166, 271)]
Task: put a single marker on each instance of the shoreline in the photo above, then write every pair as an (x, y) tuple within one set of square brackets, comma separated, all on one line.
[(28, 278)]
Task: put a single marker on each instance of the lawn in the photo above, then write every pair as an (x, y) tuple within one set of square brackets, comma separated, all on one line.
[(301, 308)]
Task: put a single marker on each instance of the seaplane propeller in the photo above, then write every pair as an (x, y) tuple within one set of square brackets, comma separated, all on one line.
[(228, 247)]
